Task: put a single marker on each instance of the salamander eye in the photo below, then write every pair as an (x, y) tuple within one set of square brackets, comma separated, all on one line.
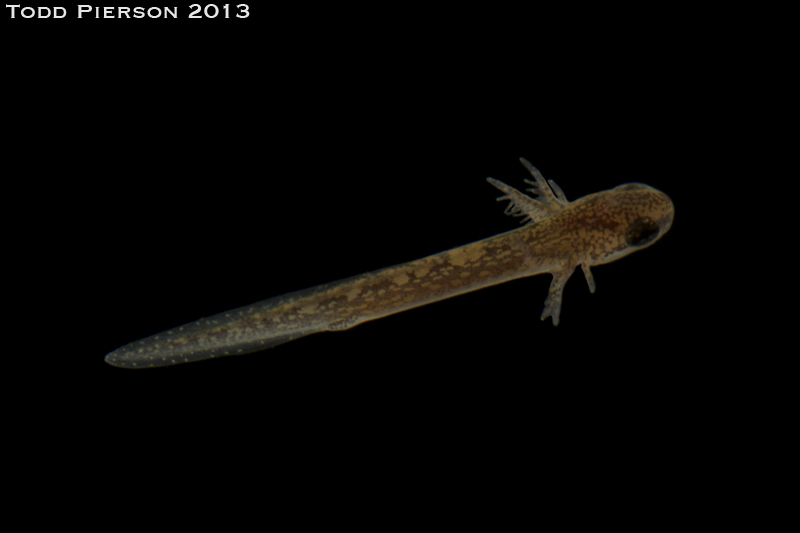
[(641, 232)]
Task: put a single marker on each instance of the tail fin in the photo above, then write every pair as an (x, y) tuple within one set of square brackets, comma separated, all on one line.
[(244, 330)]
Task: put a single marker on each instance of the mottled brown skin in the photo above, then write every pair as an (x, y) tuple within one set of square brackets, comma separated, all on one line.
[(592, 230)]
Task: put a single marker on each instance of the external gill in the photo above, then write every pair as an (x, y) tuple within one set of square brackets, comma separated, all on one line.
[(533, 209)]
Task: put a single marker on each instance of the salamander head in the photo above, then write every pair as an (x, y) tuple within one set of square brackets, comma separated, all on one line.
[(628, 218)]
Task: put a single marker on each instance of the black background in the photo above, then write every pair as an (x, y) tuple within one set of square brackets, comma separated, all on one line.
[(172, 169)]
